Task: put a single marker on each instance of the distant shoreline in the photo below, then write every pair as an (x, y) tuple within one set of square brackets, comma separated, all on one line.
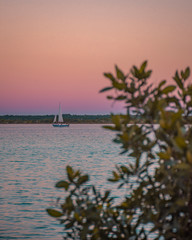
[(48, 119), (51, 123), (68, 118)]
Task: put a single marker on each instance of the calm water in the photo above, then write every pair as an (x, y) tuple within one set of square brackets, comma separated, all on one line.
[(33, 158)]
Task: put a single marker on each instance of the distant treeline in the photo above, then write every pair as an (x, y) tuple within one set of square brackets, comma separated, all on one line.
[(68, 118)]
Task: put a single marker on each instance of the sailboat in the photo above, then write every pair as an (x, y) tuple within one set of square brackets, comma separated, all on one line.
[(58, 120)]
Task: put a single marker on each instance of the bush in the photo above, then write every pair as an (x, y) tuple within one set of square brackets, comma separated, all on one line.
[(156, 132)]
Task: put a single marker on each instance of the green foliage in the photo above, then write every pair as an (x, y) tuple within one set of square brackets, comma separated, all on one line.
[(159, 180)]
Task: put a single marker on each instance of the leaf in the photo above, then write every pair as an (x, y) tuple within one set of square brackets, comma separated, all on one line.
[(119, 73), (62, 184), (110, 76), (75, 174), (116, 119), (182, 166), (94, 190), (162, 83), (120, 97), (121, 185), (143, 66), (83, 179), (54, 213), (69, 172), (176, 116), (105, 89), (119, 86), (109, 127), (181, 202), (148, 74), (125, 169), (112, 180), (168, 89), (164, 155), (116, 177), (139, 74), (106, 195), (178, 80), (135, 71), (180, 141), (77, 217), (187, 73), (109, 97), (189, 157), (70, 224)]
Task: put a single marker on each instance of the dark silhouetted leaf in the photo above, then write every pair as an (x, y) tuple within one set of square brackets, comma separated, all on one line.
[(62, 184), (83, 179), (106, 89)]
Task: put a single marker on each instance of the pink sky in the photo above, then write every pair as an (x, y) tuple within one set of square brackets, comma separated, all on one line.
[(55, 51)]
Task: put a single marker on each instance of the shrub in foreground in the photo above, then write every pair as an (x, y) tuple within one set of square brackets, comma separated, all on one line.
[(158, 205)]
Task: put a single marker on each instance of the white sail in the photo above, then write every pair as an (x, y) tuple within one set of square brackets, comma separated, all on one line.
[(55, 119), (60, 115), (58, 121)]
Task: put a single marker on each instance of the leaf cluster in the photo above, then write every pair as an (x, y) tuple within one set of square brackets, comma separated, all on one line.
[(158, 173)]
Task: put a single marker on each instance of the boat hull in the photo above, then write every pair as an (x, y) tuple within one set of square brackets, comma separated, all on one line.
[(60, 125)]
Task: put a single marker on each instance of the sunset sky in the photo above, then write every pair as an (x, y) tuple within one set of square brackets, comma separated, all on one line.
[(55, 51)]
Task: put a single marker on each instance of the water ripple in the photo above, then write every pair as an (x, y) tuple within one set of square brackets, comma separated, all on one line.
[(33, 158)]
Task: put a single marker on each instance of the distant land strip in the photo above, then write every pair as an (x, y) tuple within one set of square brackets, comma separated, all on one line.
[(68, 118)]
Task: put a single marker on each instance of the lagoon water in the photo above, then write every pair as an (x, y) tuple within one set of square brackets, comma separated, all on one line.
[(33, 158)]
